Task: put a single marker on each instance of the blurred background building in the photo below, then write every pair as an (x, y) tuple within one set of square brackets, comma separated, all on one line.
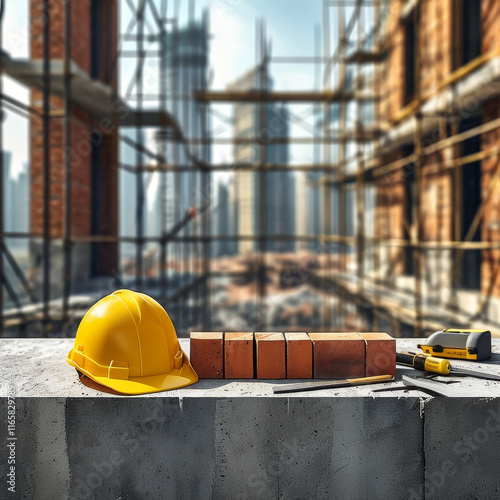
[(323, 165), (269, 124)]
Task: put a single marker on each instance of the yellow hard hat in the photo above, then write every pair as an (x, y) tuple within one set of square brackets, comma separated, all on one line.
[(127, 342)]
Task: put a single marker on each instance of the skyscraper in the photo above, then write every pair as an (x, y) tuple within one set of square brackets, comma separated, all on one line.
[(20, 212), (7, 188), (279, 203), (127, 198), (16, 201), (220, 220), (187, 63), (301, 204), (185, 70)]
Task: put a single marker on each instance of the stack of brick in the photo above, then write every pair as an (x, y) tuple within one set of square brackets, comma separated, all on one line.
[(276, 355)]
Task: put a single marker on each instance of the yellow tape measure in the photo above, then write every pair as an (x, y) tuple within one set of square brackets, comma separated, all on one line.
[(474, 345)]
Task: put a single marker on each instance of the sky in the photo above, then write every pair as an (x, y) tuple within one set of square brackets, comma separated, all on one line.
[(290, 28), (15, 41)]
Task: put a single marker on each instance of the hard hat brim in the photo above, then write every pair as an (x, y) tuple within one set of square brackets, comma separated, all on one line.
[(146, 385), (176, 379)]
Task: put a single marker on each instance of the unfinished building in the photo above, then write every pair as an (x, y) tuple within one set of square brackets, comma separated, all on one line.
[(395, 221)]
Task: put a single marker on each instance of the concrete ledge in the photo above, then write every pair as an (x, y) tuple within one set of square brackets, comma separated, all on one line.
[(235, 439)]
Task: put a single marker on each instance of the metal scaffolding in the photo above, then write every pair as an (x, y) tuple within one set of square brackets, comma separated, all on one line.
[(354, 269)]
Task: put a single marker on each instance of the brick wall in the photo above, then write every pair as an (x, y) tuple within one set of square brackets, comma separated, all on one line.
[(490, 266), (80, 180), (393, 72), (436, 198), (437, 35), (81, 125), (389, 216), (57, 176), (491, 195), (56, 27), (80, 33), (435, 43)]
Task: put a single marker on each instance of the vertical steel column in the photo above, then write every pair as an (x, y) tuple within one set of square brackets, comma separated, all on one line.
[(2, 7), (174, 70), (381, 77), (139, 209), (187, 108), (262, 55), (112, 79), (176, 109), (457, 182), (199, 198), (327, 158), (317, 108), (360, 177), (206, 318), (442, 136), (163, 151), (418, 250), (457, 201), (342, 162), (67, 161), (377, 92), (46, 165)]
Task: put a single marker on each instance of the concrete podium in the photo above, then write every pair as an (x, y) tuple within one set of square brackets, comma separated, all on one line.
[(233, 439)]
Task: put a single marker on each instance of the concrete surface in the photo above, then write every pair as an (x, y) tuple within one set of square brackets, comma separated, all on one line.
[(237, 440)]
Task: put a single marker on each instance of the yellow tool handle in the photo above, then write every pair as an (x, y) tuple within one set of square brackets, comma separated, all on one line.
[(370, 380), (425, 363), (437, 365)]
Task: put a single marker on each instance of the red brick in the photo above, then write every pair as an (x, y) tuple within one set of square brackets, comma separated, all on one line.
[(270, 348), (238, 355), (207, 354), (338, 355), (298, 355), (380, 354)]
